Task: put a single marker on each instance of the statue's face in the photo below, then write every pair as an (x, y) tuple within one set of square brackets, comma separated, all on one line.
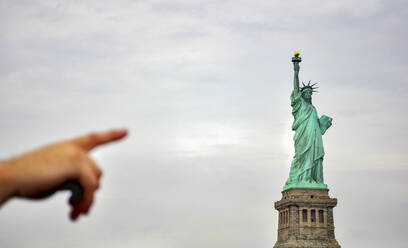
[(307, 93)]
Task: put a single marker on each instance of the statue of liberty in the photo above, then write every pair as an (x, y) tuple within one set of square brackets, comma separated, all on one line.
[(306, 170)]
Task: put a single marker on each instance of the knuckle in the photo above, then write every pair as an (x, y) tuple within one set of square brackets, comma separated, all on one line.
[(93, 184), (96, 185), (99, 172), (93, 137)]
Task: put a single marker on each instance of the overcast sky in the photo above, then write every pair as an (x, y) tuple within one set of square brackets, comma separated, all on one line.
[(203, 87)]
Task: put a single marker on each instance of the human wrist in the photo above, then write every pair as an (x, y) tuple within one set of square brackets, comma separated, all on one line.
[(8, 178)]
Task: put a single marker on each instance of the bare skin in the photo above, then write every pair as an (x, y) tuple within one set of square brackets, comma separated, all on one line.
[(43, 169)]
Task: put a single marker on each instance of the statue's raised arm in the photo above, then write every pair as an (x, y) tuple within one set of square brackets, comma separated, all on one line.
[(296, 60)]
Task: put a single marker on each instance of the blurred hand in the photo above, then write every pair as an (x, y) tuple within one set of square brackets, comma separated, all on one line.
[(41, 170)]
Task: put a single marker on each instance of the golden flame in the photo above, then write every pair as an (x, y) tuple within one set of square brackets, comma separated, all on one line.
[(297, 53)]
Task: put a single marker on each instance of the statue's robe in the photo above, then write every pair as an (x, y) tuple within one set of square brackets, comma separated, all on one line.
[(307, 163)]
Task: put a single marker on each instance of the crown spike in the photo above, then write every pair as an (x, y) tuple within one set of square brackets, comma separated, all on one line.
[(309, 86)]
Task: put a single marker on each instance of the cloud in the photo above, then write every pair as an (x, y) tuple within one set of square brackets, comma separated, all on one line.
[(204, 88)]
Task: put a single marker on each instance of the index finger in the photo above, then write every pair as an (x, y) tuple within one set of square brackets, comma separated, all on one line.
[(92, 140)]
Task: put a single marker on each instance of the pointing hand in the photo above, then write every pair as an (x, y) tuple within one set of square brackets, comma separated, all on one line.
[(40, 171)]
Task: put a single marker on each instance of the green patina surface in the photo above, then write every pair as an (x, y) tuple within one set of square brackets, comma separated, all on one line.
[(306, 170)]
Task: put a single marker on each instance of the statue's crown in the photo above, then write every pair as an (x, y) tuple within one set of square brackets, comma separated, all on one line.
[(309, 86)]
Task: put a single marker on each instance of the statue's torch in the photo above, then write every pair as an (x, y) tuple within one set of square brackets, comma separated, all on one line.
[(297, 58)]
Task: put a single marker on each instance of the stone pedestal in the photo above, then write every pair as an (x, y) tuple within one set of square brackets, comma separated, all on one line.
[(306, 219)]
